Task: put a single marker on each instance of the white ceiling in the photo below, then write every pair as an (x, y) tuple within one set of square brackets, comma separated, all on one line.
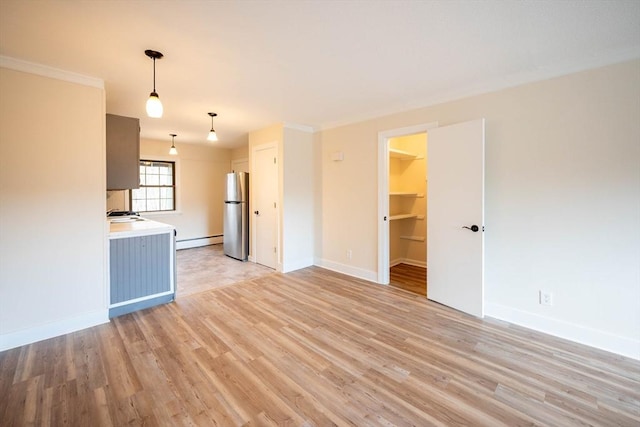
[(314, 63)]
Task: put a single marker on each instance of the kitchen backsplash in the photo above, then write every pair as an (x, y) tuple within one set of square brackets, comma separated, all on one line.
[(118, 200)]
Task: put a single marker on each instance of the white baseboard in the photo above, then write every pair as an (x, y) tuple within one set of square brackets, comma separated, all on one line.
[(53, 329), (395, 262), (196, 243), (594, 338), (297, 264), (349, 270), (415, 263)]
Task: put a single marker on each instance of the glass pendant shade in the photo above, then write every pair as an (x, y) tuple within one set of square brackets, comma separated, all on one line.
[(212, 133), (154, 106), (173, 151)]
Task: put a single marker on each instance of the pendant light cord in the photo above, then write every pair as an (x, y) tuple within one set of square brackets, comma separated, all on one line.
[(154, 74)]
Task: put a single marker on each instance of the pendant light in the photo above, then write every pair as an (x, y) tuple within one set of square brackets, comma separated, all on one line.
[(154, 106), (173, 151), (212, 133)]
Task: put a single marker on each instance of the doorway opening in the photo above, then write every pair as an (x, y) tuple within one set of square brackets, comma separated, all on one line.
[(407, 212), (402, 187)]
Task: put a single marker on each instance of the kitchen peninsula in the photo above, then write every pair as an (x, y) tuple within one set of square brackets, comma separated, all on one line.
[(142, 269)]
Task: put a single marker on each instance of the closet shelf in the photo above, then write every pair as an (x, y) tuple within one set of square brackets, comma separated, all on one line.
[(414, 238), (403, 155), (401, 194), (405, 216)]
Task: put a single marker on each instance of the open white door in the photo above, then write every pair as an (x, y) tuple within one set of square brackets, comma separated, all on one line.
[(455, 200)]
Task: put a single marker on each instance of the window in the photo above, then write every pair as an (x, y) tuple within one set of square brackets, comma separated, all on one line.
[(157, 190)]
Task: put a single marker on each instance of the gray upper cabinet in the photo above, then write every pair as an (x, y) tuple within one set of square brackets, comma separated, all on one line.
[(123, 152)]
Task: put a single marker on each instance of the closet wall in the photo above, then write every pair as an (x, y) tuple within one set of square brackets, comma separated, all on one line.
[(407, 200)]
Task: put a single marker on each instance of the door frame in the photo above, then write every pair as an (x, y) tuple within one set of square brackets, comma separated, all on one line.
[(383, 191)]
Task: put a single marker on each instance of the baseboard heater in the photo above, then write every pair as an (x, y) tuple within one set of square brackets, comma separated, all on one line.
[(196, 242), (199, 238)]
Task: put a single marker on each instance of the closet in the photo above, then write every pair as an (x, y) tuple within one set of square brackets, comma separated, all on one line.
[(407, 200)]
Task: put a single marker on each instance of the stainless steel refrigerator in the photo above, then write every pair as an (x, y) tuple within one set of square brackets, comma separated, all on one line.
[(236, 216)]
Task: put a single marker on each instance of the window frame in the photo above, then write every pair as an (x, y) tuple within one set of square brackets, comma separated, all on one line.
[(173, 186)]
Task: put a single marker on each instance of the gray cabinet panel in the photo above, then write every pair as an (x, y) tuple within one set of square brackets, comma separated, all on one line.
[(139, 266), (123, 152)]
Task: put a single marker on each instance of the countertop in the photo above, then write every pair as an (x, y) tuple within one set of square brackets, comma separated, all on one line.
[(120, 227)]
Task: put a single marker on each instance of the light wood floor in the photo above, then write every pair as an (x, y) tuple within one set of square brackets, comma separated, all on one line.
[(207, 267), (409, 277), (313, 348)]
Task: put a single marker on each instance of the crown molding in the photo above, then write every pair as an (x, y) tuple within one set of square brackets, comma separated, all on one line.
[(46, 71), (303, 128), (520, 78)]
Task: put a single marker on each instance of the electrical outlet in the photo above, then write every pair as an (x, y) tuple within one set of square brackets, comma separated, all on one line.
[(349, 253), (546, 298)]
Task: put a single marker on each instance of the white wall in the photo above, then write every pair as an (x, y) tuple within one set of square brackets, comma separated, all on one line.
[(296, 181), (240, 159), (297, 200), (349, 200), (240, 152), (200, 178), (562, 201), (52, 203)]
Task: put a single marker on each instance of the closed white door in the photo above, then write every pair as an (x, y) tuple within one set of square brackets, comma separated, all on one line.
[(455, 226), (265, 209)]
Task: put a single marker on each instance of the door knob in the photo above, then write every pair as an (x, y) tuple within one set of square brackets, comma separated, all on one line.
[(473, 228), (256, 212)]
